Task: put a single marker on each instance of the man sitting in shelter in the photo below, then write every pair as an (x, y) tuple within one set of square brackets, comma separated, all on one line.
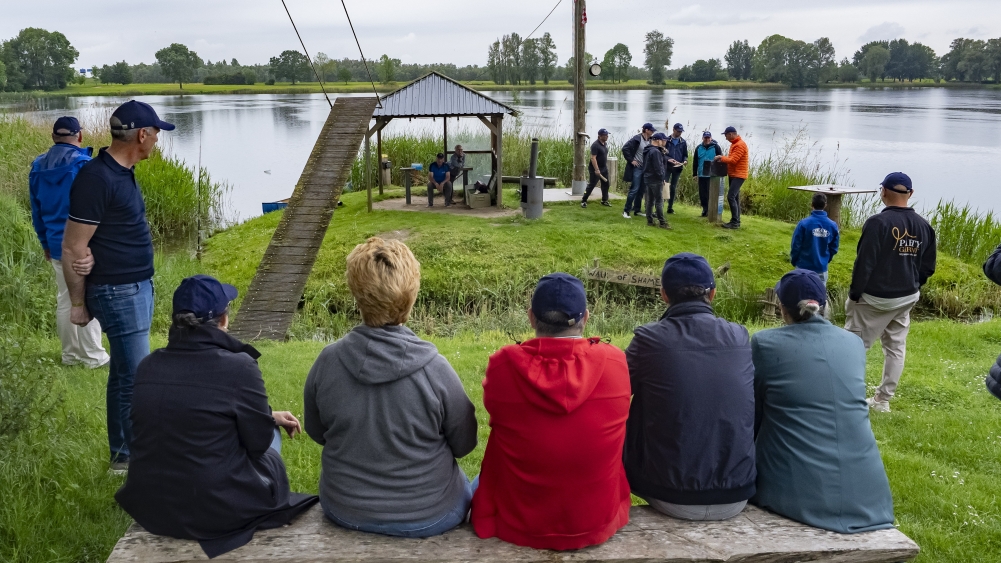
[(552, 475), (456, 163), (690, 436), (439, 178)]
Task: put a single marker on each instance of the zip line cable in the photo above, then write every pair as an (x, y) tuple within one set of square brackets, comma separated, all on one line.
[(543, 21), (309, 60), (369, 72)]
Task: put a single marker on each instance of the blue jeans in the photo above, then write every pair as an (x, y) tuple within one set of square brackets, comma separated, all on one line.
[(673, 176), (125, 312), (276, 444), (634, 199), (432, 527)]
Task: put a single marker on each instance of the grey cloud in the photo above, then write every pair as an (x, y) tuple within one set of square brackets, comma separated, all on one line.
[(882, 32)]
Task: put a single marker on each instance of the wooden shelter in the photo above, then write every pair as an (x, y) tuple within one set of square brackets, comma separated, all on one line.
[(434, 95)]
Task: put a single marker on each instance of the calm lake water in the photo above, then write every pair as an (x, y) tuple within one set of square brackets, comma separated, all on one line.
[(948, 140)]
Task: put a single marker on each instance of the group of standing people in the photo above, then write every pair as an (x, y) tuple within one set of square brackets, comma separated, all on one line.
[(654, 163)]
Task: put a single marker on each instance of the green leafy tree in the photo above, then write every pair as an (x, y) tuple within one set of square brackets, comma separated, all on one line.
[(326, 66), (827, 70), (530, 60), (511, 55), (344, 74), (847, 72), (118, 73), (3, 76), (769, 61), (860, 54), (738, 60), (547, 57), (658, 50), (37, 59), (388, 68), (571, 68), (616, 63), (290, 65), (178, 63), (994, 59), (495, 66), (874, 61)]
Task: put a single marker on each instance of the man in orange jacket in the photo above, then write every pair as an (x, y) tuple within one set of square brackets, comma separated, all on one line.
[(737, 165)]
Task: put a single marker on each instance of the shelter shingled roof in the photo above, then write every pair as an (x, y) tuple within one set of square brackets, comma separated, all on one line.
[(435, 95)]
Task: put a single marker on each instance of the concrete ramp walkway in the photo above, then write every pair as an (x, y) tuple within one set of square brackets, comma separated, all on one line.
[(274, 294)]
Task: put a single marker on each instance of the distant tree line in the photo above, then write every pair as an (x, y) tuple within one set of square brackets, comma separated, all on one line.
[(801, 64), (36, 59)]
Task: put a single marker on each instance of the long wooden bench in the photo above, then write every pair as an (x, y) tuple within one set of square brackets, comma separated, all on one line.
[(753, 536)]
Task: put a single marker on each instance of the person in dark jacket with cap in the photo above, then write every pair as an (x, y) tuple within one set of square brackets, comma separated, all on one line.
[(654, 170), (818, 462), (206, 461), (992, 269), (677, 158), (632, 154), (107, 218), (690, 434), (895, 257), (597, 168), (704, 155)]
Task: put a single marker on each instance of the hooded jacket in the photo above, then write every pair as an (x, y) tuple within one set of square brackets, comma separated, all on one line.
[(654, 166), (677, 148), (896, 255), (703, 154), (552, 475), (633, 150), (992, 266), (201, 467), (690, 435), (392, 417), (993, 380), (814, 242), (49, 183), (738, 161)]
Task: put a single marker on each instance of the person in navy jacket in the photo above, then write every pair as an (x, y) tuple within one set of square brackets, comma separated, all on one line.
[(815, 240)]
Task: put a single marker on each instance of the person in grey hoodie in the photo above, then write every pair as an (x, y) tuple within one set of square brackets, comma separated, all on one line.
[(389, 410)]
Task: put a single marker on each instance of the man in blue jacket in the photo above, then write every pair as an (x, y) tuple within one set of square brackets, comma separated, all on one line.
[(689, 447), (677, 158), (815, 240), (49, 183)]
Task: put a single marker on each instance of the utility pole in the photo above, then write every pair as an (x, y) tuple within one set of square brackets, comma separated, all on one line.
[(579, 108)]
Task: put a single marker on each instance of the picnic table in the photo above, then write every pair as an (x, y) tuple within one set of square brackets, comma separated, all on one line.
[(834, 194)]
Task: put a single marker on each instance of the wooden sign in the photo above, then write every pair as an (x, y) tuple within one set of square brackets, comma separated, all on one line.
[(627, 278)]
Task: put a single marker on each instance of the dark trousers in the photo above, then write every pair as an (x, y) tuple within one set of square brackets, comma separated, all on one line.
[(733, 197), (673, 176), (454, 175), (634, 199), (593, 181), (446, 188), (654, 202), (704, 194)]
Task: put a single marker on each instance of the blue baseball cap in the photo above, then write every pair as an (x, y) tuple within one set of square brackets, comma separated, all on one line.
[(204, 296), (679, 127), (800, 285), (895, 179), (66, 126), (563, 293), (659, 136), (602, 132), (730, 129), (135, 115), (649, 127), (706, 134), (687, 269)]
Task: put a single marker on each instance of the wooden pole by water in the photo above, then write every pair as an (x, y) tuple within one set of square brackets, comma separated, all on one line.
[(579, 107)]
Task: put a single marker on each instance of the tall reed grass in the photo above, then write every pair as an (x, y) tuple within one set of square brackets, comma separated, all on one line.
[(965, 233)]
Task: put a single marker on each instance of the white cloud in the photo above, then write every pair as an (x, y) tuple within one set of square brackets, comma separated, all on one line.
[(883, 32), (407, 38)]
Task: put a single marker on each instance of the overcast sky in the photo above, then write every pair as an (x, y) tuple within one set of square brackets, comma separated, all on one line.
[(459, 31)]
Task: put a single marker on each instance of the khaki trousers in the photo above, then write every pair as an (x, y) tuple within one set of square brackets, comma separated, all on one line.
[(891, 328), (81, 344)]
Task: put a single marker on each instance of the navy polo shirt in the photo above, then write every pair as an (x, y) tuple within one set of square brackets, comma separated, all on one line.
[(439, 171), (105, 194)]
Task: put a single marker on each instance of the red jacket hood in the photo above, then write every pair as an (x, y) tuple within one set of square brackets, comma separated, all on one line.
[(557, 374)]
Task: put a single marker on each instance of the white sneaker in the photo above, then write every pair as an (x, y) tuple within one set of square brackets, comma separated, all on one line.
[(625, 215), (878, 406)]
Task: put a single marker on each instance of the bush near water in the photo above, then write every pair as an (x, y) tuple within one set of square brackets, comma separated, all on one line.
[(941, 445)]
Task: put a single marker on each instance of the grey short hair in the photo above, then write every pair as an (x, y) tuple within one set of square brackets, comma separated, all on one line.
[(126, 135)]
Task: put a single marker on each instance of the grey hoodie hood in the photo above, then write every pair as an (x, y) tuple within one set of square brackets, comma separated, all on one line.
[(379, 355)]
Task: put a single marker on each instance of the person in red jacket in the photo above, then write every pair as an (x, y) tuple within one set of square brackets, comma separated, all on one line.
[(738, 165), (552, 474)]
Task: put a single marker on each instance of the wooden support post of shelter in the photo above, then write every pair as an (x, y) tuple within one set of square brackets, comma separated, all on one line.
[(434, 95)]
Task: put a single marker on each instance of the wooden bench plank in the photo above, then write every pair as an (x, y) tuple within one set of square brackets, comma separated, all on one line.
[(755, 536)]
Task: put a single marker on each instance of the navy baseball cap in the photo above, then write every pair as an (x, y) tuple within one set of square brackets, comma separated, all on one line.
[(895, 179), (706, 134), (679, 127), (563, 293), (204, 296), (66, 126), (136, 115), (687, 269), (800, 285), (730, 129), (659, 136), (649, 127), (602, 132)]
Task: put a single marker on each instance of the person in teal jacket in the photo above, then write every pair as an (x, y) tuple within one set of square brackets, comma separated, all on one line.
[(817, 458)]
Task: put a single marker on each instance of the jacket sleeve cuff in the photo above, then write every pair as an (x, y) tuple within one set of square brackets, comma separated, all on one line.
[(855, 296)]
